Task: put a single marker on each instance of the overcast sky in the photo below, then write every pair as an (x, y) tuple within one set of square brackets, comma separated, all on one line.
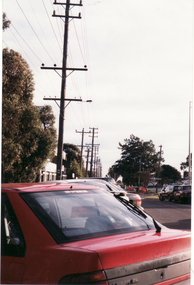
[(139, 59)]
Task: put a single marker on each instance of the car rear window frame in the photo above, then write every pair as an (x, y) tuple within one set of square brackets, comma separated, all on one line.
[(56, 232)]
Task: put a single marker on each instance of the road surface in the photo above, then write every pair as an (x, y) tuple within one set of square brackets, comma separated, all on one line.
[(170, 214)]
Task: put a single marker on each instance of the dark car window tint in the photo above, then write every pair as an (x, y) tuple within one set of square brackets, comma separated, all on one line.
[(186, 188), (83, 214), (12, 240)]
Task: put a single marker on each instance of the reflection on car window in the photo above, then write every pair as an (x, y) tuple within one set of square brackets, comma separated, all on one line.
[(83, 214), (12, 239)]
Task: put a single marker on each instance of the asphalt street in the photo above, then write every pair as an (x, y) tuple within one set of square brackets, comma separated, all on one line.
[(170, 214)]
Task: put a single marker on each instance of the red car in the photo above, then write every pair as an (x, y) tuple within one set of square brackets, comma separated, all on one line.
[(183, 194), (80, 234)]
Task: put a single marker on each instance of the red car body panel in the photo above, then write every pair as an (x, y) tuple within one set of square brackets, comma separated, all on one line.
[(175, 280), (136, 247), (47, 262)]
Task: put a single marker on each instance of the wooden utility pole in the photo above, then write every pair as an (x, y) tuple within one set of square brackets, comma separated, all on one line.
[(82, 145), (95, 160), (98, 167), (88, 153), (63, 81), (62, 102), (91, 163)]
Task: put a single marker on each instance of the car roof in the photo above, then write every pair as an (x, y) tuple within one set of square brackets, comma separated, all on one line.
[(93, 180), (108, 179), (37, 187), (96, 182), (85, 181)]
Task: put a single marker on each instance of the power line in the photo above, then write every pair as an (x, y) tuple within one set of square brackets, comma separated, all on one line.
[(78, 41), (26, 43), (51, 25), (34, 30), (27, 54), (48, 44)]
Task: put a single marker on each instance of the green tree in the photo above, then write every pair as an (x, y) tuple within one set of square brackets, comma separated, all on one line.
[(112, 173), (72, 162), (74, 169), (26, 145), (47, 118), (137, 157), (169, 173)]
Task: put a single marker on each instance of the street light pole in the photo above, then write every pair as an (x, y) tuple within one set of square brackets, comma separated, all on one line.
[(159, 168)]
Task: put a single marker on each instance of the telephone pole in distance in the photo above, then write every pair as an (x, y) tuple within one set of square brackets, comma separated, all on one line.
[(82, 144)]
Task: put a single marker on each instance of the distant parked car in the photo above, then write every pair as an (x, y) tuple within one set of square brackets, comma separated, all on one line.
[(54, 233), (152, 184), (168, 192), (165, 192), (108, 179), (183, 194), (133, 198)]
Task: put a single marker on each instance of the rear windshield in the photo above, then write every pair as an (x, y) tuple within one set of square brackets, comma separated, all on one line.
[(83, 214)]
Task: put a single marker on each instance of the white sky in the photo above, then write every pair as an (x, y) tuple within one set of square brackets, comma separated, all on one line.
[(140, 72)]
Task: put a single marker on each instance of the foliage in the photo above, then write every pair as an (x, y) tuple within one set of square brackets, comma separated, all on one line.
[(185, 165), (145, 177), (72, 162), (26, 145), (47, 118), (168, 172), (137, 156), (112, 173), (6, 22), (74, 169)]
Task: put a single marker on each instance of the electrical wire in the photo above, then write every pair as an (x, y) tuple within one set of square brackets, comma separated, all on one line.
[(83, 117), (5, 44), (83, 57), (26, 43), (51, 25), (21, 47), (78, 41), (34, 30), (58, 21), (40, 26), (29, 57)]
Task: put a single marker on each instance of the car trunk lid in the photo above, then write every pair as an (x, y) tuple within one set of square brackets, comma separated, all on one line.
[(145, 257)]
